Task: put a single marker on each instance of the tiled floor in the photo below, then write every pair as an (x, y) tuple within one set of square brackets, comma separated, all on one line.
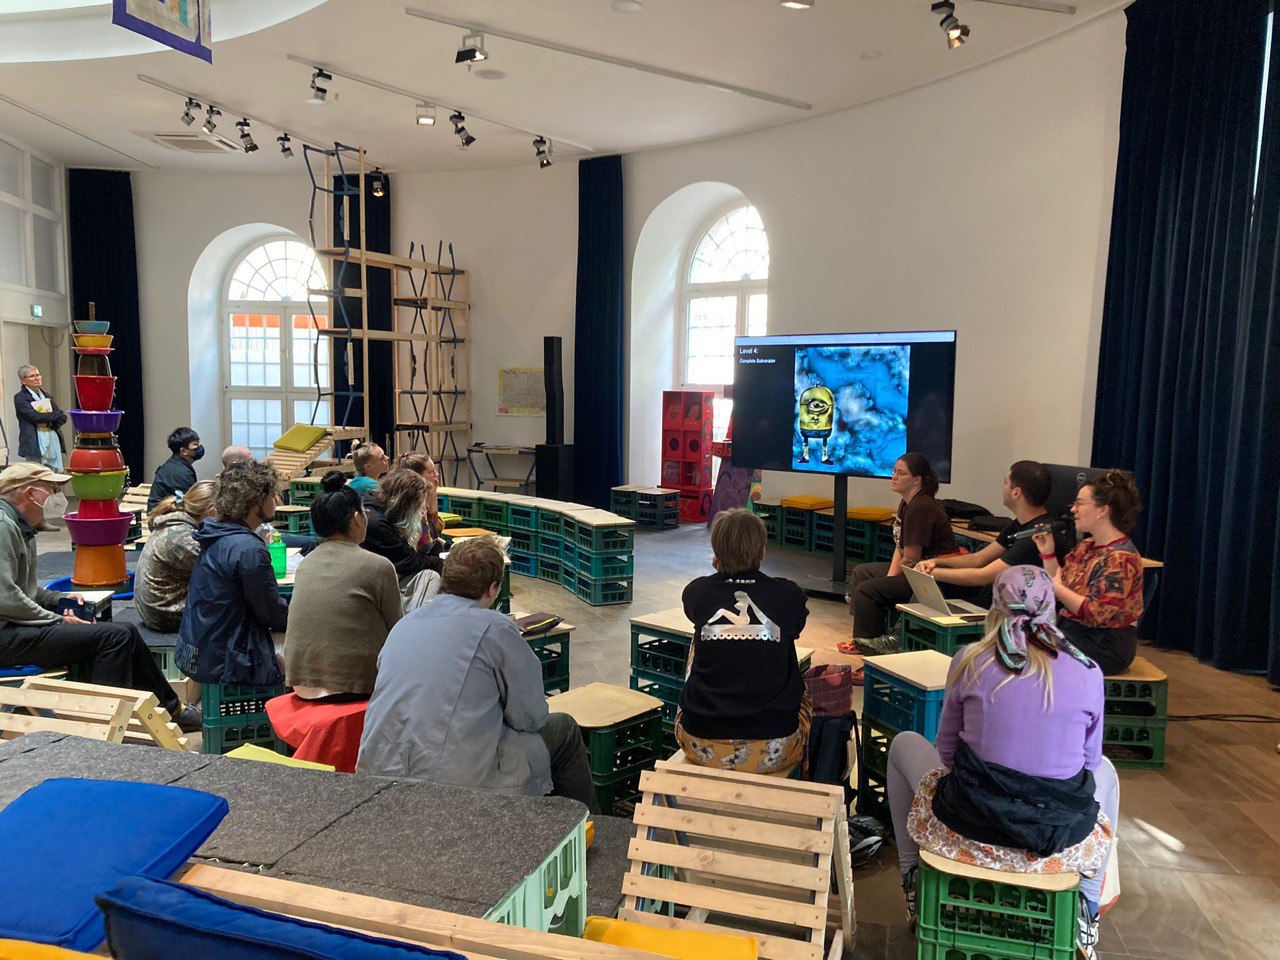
[(1200, 839)]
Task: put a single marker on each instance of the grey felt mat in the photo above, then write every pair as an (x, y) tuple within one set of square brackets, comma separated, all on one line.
[(93, 760), (426, 839), (607, 863), (127, 612), (274, 808), (431, 901), (27, 742)]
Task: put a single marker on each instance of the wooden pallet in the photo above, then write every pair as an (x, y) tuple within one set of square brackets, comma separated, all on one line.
[(476, 939), (754, 852), (113, 714)]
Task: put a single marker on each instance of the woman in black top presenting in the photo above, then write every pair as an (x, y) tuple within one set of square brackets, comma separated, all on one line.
[(921, 531), (743, 706)]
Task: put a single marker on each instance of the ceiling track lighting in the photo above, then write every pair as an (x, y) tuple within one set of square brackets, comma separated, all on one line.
[(957, 32), (424, 115), (246, 138), (460, 129), (319, 92), (210, 124), (284, 141), (378, 186), (188, 118), (472, 49), (542, 151)]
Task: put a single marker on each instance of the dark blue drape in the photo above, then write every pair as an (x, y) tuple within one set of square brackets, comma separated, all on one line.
[(1182, 397), (381, 379), (104, 269), (598, 332)]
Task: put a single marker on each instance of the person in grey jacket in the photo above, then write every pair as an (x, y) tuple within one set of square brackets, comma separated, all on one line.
[(163, 575), (459, 700)]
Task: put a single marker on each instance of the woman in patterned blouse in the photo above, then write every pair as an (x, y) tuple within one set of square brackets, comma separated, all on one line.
[(1099, 584)]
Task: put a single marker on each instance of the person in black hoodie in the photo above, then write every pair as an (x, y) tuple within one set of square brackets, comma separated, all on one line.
[(176, 475), (396, 510), (743, 706), (234, 604)]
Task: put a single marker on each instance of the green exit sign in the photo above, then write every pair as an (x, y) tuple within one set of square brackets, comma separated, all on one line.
[(37, 311)]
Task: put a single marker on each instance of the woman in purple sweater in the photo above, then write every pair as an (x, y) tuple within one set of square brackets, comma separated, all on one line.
[(1017, 780)]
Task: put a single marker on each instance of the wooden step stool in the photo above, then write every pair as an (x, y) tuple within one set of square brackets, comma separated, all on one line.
[(756, 853)]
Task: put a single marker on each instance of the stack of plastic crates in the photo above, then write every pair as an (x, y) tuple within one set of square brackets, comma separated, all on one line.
[(797, 519), (882, 545), (658, 660), (236, 714), (523, 551), (1135, 716), (552, 899), (467, 507), (599, 547), (303, 490), (553, 654), (620, 753), (491, 514), (770, 514), (622, 501), (902, 691), (657, 507), (975, 917), (921, 633)]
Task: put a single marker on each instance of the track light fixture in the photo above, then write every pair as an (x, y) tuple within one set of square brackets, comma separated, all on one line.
[(424, 115), (459, 128), (284, 141), (542, 150), (246, 138), (319, 92), (472, 49), (188, 118), (957, 32), (798, 4), (210, 124), (379, 186)]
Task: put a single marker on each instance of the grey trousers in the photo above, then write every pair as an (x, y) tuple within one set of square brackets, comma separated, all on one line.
[(570, 764), (911, 756)]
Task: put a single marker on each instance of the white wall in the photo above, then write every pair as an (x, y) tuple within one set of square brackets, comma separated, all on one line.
[(981, 203)]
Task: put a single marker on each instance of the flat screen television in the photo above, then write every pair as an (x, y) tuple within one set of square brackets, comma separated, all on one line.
[(844, 403)]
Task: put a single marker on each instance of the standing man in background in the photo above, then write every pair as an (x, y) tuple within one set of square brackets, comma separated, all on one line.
[(39, 417)]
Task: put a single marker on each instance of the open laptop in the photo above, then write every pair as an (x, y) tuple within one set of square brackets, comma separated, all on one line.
[(926, 592)]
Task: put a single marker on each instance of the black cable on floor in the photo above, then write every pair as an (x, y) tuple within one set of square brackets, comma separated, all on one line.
[(1228, 717)]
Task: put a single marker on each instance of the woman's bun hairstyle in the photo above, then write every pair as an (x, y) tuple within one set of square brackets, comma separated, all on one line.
[(333, 481)]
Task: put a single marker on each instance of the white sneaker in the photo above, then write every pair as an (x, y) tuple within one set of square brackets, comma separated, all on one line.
[(1087, 932)]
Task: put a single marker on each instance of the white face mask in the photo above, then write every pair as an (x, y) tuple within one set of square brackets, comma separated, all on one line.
[(55, 507)]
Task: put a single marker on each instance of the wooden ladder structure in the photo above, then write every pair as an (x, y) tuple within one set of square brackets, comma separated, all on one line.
[(112, 714), (755, 852)]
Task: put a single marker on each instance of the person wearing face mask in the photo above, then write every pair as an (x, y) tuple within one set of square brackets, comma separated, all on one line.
[(31, 629), (234, 613), (345, 602), (176, 475)]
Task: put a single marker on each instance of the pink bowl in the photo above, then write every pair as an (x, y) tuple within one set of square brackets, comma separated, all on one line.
[(97, 533)]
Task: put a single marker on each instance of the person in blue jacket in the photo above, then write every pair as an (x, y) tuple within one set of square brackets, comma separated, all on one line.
[(234, 604)]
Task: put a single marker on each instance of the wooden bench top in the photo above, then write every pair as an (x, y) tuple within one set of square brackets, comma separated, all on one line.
[(602, 704), (1052, 882), (1142, 670), (926, 669)]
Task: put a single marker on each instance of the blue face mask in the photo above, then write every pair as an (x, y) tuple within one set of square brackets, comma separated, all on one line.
[(197, 453)]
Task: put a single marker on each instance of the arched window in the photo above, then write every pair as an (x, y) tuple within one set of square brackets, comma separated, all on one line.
[(273, 353), (725, 296)]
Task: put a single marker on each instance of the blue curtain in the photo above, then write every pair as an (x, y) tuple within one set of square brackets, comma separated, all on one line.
[(598, 332), (380, 381), (1182, 397), (104, 269)]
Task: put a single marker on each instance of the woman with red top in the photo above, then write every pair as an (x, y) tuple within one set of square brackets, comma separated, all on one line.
[(1099, 584)]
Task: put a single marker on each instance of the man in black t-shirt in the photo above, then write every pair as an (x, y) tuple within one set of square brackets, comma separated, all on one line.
[(1026, 488)]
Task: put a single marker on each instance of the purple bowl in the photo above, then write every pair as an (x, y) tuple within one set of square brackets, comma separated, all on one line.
[(96, 421), (98, 533)]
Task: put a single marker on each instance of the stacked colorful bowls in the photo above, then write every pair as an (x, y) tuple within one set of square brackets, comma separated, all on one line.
[(98, 528)]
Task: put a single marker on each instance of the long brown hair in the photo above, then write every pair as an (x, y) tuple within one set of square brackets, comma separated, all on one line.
[(402, 494)]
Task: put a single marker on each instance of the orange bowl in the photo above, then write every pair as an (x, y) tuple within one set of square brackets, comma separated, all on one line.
[(99, 566)]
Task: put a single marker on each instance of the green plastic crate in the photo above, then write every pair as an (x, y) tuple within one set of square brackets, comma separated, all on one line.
[(549, 547), (660, 519), (604, 539), (669, 694), (876, 737), (873, 796), (797, 527), (524, 564), (552, 523), (163, 656), (1134, 742), (569, 552), (521, 517), (468, 508), (553, 653), (625, 788), (958, 917), (1133, 699), (552, 899), (624, 746), (623, 503), (493, 515), (917, 633), (568, 576), (600, 566), (824, 541), (660, 659), (228, 733), (549, 569), (603, 592), (221, 700), (526, 541), (302, 490), (292, 521)]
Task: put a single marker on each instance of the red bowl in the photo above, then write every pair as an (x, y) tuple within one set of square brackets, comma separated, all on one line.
[(97, 533), (95, 393), (95, 461), (98, 510)]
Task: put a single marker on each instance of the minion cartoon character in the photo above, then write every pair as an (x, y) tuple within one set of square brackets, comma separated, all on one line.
[(817, 420)]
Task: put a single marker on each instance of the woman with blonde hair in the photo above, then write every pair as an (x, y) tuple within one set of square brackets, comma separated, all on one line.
[(396, 512), (164, 568), (1016, 780), (425, 467)]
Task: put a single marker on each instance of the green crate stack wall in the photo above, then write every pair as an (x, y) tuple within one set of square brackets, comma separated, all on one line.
[(882, 547), (658, 661), (859, 536), (521, 516), (468, 508)]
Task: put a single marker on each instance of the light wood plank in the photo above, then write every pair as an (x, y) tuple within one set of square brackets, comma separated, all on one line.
[(1053, 882), (724, 864), (19, 724), (729, 902), (726, 828), (762, 796), (789, 786), (769, 947)]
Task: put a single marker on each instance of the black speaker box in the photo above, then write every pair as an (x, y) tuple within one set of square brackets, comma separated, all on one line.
[(554, 463)]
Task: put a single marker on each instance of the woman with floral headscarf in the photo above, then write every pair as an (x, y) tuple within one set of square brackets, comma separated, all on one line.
[(1016, 780)]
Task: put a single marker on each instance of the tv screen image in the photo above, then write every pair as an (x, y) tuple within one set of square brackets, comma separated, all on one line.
[(848, 404)]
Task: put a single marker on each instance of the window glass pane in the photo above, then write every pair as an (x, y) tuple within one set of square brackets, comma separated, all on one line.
[(310, 352), (722, 410), (709, 344), (42, 184), (311, 411), (13, 244), (278, 270), (48, 276), (757, 311), (254, 347), (255, 423), (10, 169), (735, 248)]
